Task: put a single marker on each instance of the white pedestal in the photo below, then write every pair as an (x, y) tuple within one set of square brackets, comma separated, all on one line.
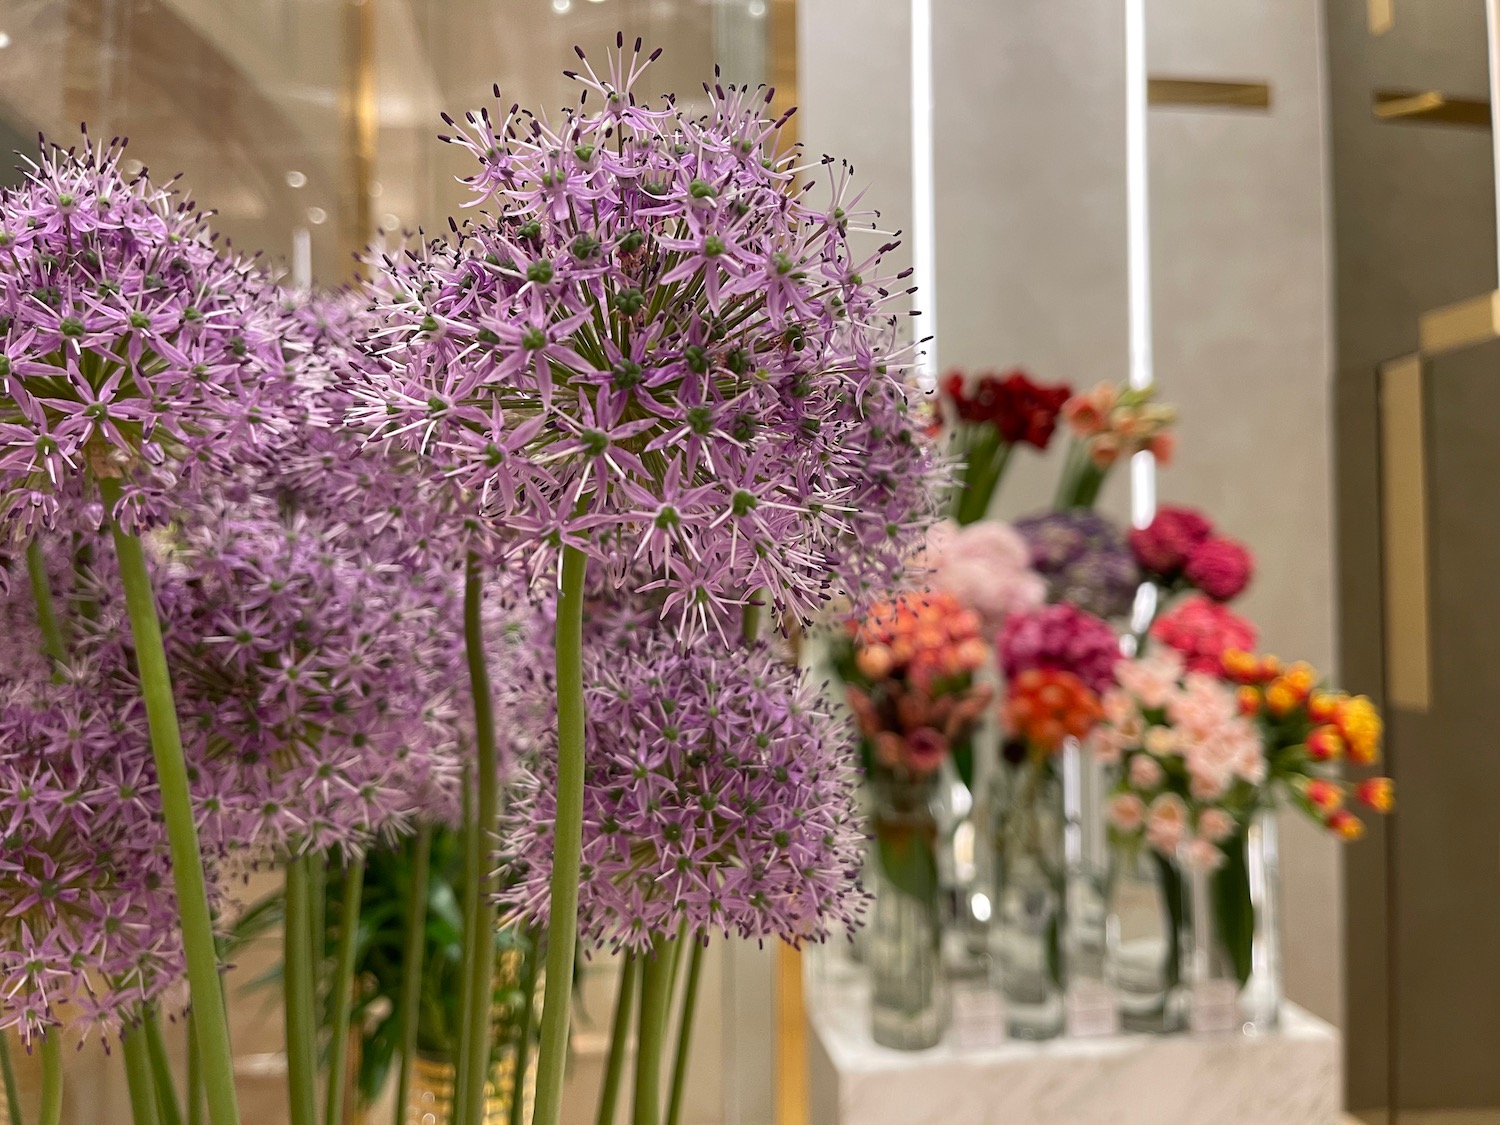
[(1289, 1077)]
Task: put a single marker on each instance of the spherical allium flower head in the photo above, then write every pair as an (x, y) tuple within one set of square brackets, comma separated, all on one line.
[(129, 346), (1203, 630), (1061, 638), (87, 915), (719, 796), (314, 686), (658, 348), (1084, 559)]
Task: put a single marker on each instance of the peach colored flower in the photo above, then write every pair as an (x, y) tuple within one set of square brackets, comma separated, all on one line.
[(1202, 855), (1145, 772), (1162, 741), (1215, 825), (1127, 812), (1152, 679), (1167, 823)]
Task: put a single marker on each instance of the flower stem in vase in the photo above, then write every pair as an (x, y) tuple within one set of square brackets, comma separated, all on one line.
[(415, 947), (52, 1078), (298, 999), (161, 1071), (138, 1081), (341, 992), (562, 919), (480, 985), (658, 974), (8, 1073), (177, 811), (685, 1034), (619, 1034)]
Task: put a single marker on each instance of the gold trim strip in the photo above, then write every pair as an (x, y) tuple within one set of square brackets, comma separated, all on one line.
[(1431, 107), (791, 1039), (1382, 16), (782, 41), (1208, 93), (361, 122), (1460, 325), (1403, 499)]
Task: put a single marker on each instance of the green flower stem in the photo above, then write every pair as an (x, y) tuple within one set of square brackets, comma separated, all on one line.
[(46, 611), (567, 850), (750, 619), (317, 916), (52, 1078), (411, 964), (658, 974), (12, 1091), (341, 992), (619, 1035), (177, 810), (529, 966), (138, 1079), (685, 1034), (470, 938), (161, 1072), (476, 1037), (194, 1074), (301, 1019)]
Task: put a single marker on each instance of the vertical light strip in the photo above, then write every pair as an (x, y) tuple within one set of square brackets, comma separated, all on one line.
[(923, 193), (1138, 246), (1492, 33)]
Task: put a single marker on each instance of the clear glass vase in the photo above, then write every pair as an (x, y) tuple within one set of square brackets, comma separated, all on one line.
[(1030, 879), (909, 1001), (1145, 939), (1234, 936)]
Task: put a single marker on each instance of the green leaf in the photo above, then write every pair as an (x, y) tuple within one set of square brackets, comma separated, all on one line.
[(907, 858)]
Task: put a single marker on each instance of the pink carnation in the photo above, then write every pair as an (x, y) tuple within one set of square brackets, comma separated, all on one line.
[(1221, 568), (1203, 631), (987, 567), (1167, 823), (1162, 547), (1060, 638), (1127, 812)]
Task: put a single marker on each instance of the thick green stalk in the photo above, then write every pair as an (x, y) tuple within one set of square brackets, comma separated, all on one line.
[(52, 1078), (195, 1074), (161, 1072), (472, 861), (12, 1091), (182, 833), (411, 964), (658, 974), (619, 1035), (46, 611), (341, 991), (529, 969), (685, 1034), (317, 916), (144, 1109), (567, 846), (298, 999), (476, 1042)]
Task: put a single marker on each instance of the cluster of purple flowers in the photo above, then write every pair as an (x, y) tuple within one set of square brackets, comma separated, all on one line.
[(130, 347), (1084, 558), (657, 349), (719, 797)]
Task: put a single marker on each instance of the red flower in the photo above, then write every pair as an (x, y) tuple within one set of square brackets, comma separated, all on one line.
[(1203, 631), (1022, 410), (1163, 546), (1221, 568)]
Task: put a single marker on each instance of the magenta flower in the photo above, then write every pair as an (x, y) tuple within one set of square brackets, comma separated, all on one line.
[(657, 347), (1220, 567), (1060, 638)]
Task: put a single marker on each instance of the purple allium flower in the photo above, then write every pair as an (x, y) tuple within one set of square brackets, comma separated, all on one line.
[(719, 797), (1061, 638), (129, 346), (88, 929), (1085, 560), (659, 349)]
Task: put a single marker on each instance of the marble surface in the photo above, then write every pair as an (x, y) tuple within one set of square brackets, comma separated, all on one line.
[(1290, 1077)]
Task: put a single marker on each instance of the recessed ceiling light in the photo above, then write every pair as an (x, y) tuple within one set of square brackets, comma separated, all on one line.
[(756, 8), (316, 215), (4, 40), (561, 6), (295, 179)]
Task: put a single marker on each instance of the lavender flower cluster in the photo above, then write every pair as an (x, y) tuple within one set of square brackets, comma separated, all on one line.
[(657, 349), (720, 797), (1085, 560)]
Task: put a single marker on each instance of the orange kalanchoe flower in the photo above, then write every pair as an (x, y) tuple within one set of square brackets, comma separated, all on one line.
[(1359, 722), (1345, 825), (1249, 699), (1325, 744), (1377, 792), (1240, 666), (1326, 796), (1045, 707), (1323, 706)]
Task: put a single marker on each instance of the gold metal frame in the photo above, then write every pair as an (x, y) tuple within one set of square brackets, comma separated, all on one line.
[(1430, 107), (1403, 518), (361, 122), (1208, 93)]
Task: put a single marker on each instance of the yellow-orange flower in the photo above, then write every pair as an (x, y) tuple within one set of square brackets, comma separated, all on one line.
[(1323, 706), (1281, 698), (1325, 744), (1249, 699), (1360, 724), (1240, 666), (1345, 824), (1300, 678), (1326, 796), (1378, 792)]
